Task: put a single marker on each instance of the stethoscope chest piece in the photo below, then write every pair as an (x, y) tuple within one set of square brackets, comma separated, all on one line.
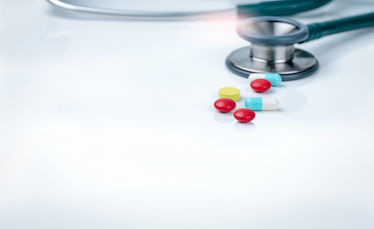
[(272, 49)]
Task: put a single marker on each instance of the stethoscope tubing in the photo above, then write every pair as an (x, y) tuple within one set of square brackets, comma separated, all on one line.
[(275, 8), (136, 14), (321, 29)]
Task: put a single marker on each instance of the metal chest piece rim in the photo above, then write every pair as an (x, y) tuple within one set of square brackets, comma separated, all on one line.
[(272, 49)]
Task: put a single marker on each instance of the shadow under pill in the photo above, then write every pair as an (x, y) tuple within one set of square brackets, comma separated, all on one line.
[(223, 117), (244, 127)]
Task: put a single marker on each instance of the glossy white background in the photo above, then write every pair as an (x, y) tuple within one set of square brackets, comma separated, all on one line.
[(106, 123)]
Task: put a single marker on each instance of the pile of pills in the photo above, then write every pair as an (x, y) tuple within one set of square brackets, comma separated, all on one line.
[(259, 82)]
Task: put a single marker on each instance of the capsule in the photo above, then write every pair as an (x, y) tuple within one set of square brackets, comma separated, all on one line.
[(261, 104), (274, 78)]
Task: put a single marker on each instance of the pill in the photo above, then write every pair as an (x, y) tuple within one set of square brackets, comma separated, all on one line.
[(230, 93), (261, 104), (244, 115), (274, 78), (260, 85), (225, 105)]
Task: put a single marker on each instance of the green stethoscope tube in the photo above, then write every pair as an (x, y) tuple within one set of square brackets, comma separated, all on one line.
[(279, 8), (321, 29)]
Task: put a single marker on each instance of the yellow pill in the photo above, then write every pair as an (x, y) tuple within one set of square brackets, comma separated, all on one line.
[(229, 92)]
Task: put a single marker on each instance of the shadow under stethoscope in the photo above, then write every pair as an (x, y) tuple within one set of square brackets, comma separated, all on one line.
[(335, 45), (339, 46)]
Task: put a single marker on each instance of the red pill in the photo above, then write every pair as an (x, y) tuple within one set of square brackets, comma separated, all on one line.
[(244, 115), (260, 85), (225, 105)]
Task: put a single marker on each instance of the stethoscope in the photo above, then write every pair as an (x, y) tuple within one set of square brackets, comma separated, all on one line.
[(273, 42), (272, 38)]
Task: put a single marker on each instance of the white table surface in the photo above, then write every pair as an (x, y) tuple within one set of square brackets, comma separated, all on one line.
[(106, 123)]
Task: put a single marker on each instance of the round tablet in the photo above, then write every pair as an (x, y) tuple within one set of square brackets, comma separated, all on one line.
[(225, 105), (244, 115), (230, 93), (260, 85)]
